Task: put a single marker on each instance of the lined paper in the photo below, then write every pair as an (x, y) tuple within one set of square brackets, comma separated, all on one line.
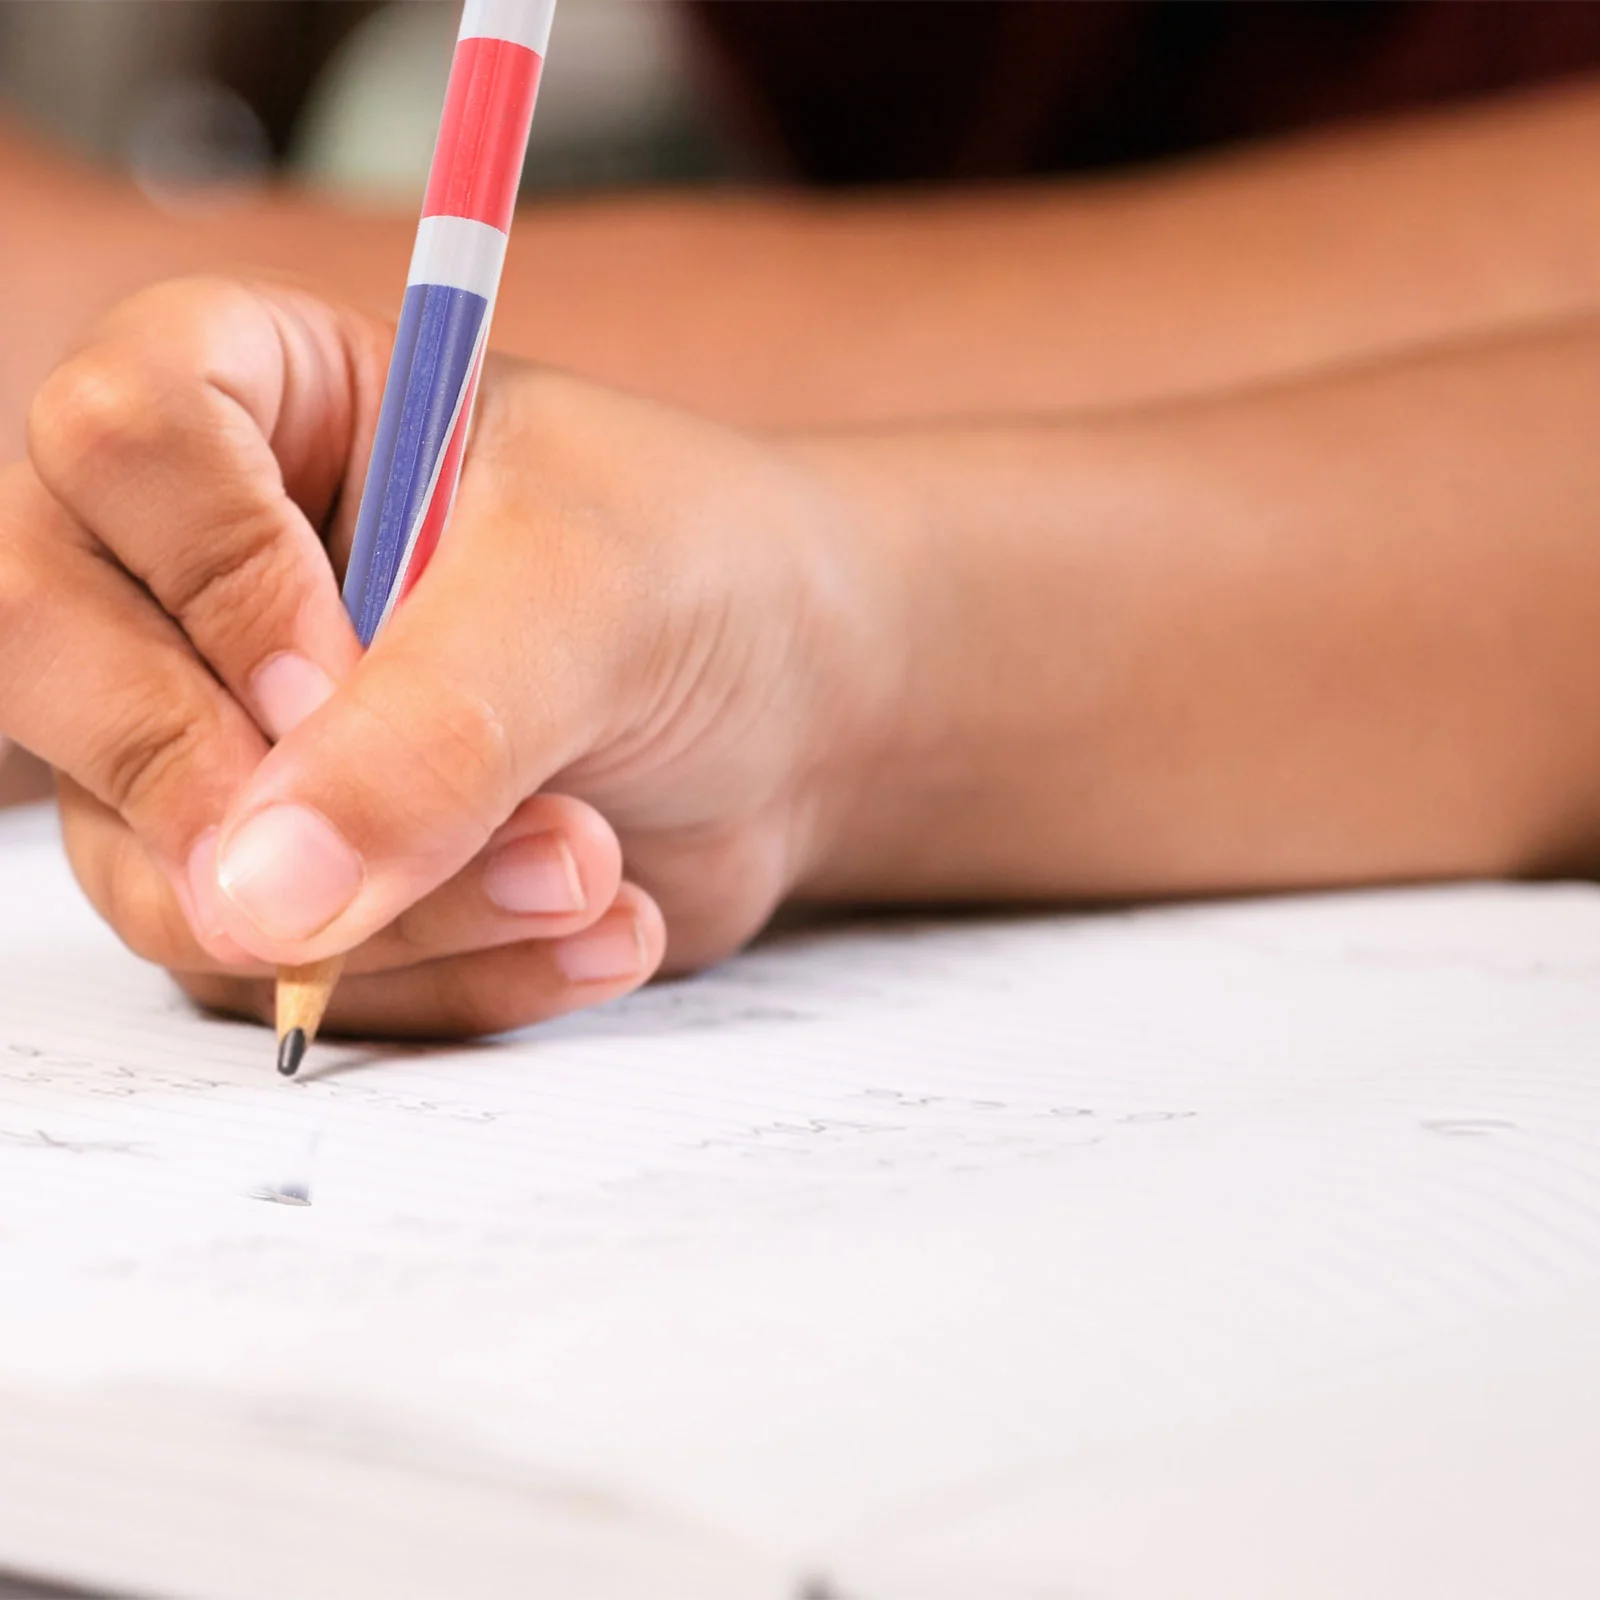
[(805, 1260)]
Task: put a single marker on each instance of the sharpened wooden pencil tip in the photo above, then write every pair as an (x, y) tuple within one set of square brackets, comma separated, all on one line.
[(301, 999), (291, 1051)]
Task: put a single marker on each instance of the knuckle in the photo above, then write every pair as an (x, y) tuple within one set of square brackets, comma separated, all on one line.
[(153, 741), (95, 405), (229, 588), (458, 747), (473, 744), (536, 405)]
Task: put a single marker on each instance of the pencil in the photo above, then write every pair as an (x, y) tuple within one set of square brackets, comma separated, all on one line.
[(438, 354)]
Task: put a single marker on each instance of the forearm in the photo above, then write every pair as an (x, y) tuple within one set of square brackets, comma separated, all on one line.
[(791, 311), (1075, 294), (1340, 632)]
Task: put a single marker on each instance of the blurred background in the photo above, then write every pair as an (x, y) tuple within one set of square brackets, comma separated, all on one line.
[(344, 94)]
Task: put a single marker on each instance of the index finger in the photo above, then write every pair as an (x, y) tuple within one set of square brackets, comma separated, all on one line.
[(99, 683), (202, 436)]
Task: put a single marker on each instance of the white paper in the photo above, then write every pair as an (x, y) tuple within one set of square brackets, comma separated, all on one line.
[(870, 1241)]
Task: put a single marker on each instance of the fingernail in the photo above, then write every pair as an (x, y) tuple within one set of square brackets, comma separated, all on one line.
[(289, 872), (613, 948), (534, 874), (199, 898), (287, 689)]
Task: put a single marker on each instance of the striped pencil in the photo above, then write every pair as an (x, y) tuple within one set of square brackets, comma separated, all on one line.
[(438, 355)]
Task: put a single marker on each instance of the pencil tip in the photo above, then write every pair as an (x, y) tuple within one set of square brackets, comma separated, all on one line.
[(291, 1051)]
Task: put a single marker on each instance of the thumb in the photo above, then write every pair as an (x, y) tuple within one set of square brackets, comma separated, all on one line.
[(463, 707)]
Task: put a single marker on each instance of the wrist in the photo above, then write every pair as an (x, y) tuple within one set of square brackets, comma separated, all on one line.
[(986, 551), (882, 754)]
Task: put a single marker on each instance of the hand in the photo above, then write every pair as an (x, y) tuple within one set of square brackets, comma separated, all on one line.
[(645, 640)]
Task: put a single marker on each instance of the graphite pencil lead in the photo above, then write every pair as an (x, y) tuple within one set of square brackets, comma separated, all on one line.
[(291, 1051)]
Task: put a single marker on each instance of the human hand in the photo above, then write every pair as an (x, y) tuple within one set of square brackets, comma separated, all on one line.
[(645, 640)]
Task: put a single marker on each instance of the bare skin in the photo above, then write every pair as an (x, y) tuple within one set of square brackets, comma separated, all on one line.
[(786, 311), (780, 311), (665, 675)]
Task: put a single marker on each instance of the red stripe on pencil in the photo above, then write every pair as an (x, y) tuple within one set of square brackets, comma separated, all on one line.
[(483, 134)]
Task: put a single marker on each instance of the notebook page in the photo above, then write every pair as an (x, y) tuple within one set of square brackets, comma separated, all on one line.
[(816, 1249), (1466, 1466)]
